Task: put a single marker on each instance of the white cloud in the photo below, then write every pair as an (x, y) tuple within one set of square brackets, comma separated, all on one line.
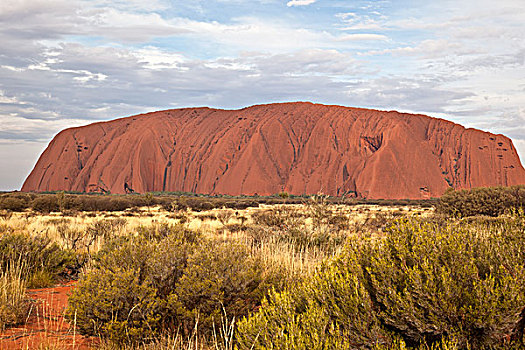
[(300, 2), (154, 58), (126, 26), (372, 21), (57, 19), (254, 34), (429, 49), (132, 5), (361, 37), (7, 99), (15, 127)]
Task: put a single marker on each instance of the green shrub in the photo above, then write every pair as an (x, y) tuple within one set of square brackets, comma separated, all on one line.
[(44, 261), (164, 279), (490, 201), (115, 303), (221, 278), (432, 282), (45, 203), (332, 310), (421, 283), (117, 299), (12, 203)]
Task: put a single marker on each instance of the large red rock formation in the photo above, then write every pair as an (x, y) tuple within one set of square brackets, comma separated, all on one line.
[(300, 148)]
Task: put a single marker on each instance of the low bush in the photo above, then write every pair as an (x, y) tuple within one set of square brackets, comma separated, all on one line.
[(241, 204), (64, 202), (211, 217), (199, 204), (99, 203), (45, 203), (236, 227), (120, 298), (164, 279), (44, 261), (421, 284), (490, 201), (12, 203), (221, 279), (271, 218), (185, 203)]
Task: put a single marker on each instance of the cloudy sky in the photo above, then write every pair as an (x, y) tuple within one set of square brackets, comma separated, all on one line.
[(72, 62)]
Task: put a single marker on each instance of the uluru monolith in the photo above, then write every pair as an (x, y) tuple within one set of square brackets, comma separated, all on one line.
[(300, 148)]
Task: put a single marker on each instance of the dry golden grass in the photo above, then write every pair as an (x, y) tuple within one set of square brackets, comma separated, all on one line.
[(13, 299), (214, 224)]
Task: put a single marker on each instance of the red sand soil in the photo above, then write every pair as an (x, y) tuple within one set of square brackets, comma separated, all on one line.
[(300, 148), (46, 325)]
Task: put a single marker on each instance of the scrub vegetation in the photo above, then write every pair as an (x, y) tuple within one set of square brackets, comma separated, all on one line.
[(181, 272)]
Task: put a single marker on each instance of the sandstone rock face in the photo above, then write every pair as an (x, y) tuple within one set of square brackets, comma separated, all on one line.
[(300, 148)]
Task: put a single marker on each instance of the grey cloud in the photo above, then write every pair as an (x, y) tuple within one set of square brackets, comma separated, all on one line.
[(57, 19), (314, 61), (491, 61), (409, 94), (128, 86)]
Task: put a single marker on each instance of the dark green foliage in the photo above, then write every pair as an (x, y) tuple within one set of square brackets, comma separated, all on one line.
[(44, 261), (165, 279), (15, 201), (48, 202), (421, 283), (454, 280), (332, 310), (123, 298), (284, 195), (12, 203), (68, 202), (220, 278), (102, 203), (116, 304), (490, 201), (45, 203)]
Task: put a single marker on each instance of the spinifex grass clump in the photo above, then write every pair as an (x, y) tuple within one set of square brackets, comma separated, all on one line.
[(314, 226), (420, 283), (163, 280), (14, 304)]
